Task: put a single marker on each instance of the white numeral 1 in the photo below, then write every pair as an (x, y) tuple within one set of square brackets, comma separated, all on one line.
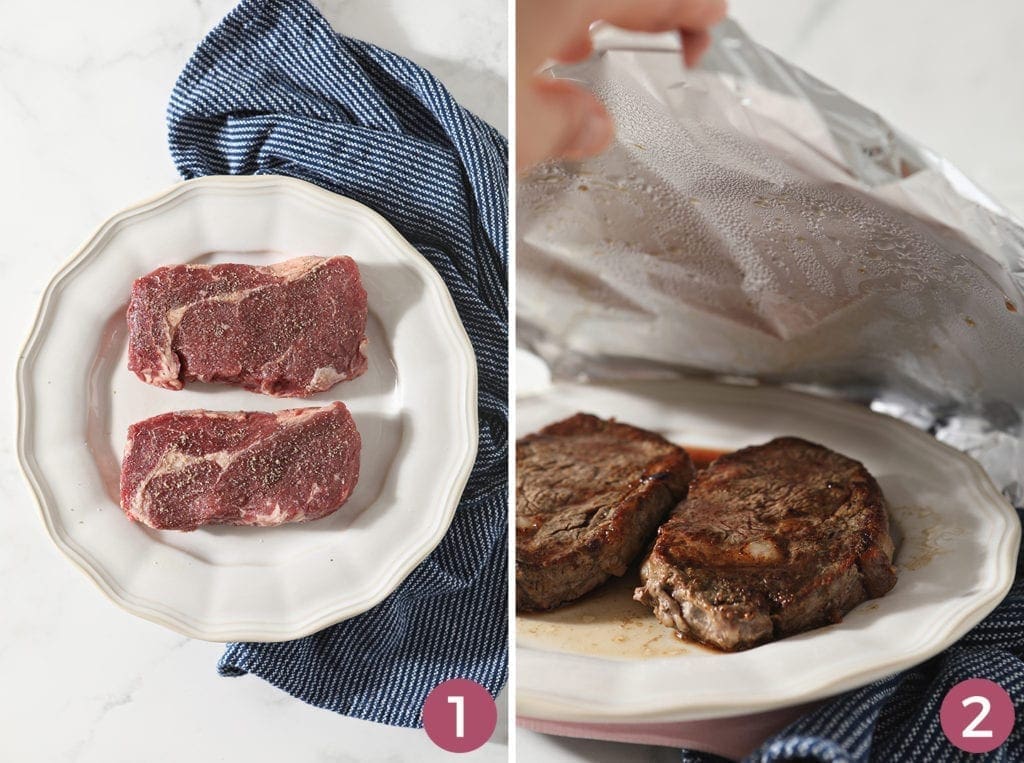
[(972, 731), (460, 729)]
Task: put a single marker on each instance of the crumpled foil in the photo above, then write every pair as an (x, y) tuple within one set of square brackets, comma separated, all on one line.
[(752, 223)]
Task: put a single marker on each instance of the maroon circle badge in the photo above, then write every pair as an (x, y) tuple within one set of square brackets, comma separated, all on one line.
[(977, 715), (459, 715)]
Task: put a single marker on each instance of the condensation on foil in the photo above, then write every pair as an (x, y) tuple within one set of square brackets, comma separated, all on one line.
[(752, 222)]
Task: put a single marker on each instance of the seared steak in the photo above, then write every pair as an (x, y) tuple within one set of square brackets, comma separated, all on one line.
[(191, 468), (771, 540), (589, 496), (291, 329)]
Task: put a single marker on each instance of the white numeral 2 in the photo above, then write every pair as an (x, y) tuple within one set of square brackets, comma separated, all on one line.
[(460, 726), (972, 730)]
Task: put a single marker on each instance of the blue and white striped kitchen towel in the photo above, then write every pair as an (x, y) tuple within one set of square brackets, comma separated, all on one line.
[(897, 719), (274, 90)]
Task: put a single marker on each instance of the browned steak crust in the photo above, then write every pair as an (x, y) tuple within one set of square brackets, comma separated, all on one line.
[(771, 540), (590, 494)]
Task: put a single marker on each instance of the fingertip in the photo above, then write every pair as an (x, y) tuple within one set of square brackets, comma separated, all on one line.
[(594, 131), (559, 120), (719, 10), (695, 44), (579, 49), (707, 14)]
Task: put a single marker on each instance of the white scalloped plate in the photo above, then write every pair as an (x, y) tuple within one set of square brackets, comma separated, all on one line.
[(606, 659), (415, 408)]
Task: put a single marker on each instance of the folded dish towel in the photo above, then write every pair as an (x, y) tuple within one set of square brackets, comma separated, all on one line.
[(897, 718), (274, 90)]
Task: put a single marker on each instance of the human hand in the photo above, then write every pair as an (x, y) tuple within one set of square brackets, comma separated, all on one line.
[(555, 118)]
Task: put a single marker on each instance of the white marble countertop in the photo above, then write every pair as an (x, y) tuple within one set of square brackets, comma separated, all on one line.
[(948, 75), (83, 92)]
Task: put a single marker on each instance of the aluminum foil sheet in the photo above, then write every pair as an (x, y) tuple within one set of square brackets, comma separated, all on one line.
[(752, 223)]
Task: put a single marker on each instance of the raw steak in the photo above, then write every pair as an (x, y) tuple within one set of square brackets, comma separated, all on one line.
[(291, 329), (187, 469), (771, 540), (589, 495)]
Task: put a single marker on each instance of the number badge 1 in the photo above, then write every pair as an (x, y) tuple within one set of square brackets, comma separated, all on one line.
[(459, 715)]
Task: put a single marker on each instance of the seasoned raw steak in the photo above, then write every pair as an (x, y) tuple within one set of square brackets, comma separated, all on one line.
[(589, 495), (771, 540), (192, 468), (290, 330)]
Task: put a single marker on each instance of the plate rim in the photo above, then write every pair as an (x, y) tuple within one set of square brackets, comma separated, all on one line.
[(541, 707), (154, 611)]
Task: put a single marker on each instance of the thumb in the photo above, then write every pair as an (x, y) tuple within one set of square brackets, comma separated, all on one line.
[(557, 119)]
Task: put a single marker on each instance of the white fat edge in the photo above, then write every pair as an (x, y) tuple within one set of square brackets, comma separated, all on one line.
[(325, 377), (309, 261), (165, 377), (276, 517), (296, 416), (172, 460), (763, 550), (297, 267), (166, 372)]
